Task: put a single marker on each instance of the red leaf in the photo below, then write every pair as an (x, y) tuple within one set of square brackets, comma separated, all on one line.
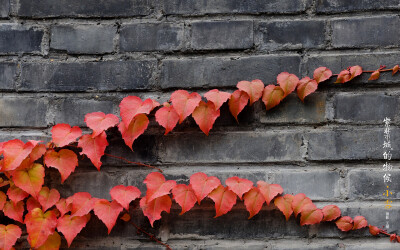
[(331, 212), (157, 186), (310, 215), (40, 226), (392, 237), (131, 106), (152, 210), (254, 89), (269, 191), (355, 71), (63, 134), (306, 86), (184, 196), (205, 115), (63, 207), (15, 194), (203, 185), (344, 76), (253, 200), (48, 198), (3, 199), (14, 152), (237, 102), (126, 217), (167, 117), (65, 161), (14, 211), (299, 201), (322, 74), (53, 242), (81, 203), (224, 200), (359, 222), (98, 122), (288, 82), (284, 204), (94, 148), (137, 127), (395, 70), (345, 223), (272, 96), (70, 226), (30, 179), (374, 230), (9, 235), (37, 152), (374, 76), (184, 103), (31, 204), (124, 195), (238, 185), (107, 212), (217, 97)]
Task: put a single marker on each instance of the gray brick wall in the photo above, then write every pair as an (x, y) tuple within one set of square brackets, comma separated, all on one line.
[(62, 59)]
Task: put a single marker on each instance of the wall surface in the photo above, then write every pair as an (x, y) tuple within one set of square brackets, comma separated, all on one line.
[(62, 59)]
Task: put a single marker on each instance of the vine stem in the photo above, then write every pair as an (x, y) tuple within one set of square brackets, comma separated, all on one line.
[(133, 162), (381, 69)]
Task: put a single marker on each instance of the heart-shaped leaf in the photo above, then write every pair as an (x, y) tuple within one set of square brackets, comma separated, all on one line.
[(184, 103), (284, 204), (124, 195), (152, 210), (217, 97), (322, 74), (237, 102), (203, 185), (9, 235), (306, 86), (288, 82), (63, 134), (157, 186), (239, 185), (272, 96), (94, 148), (331, 212), (99, 122), (345, 223), (70, 226), (269, 191), (224, 200), (167, 117), (253, 200), (137, 127), (254, 89), (184, 196), (205, 115), (107, 212), (65, 161)]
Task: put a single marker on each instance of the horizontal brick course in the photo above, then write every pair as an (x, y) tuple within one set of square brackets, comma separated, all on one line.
[(338, 6), (23, 112), (8, 73), (4, 8), (16, 38)]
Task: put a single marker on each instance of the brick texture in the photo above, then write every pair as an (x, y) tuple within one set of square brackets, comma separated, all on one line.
[(18, 39), (4, 8)]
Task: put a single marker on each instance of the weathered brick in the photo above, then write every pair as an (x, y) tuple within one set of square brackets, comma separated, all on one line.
[(91, 8), (366, 32), (293, 34), (367, 107), (151, 36), (85, 39), (338, 6), (15, 38), (8, 73), (84, 76), (222, 35), (224, 71), (4, 8), (23, 112), (193, 7)]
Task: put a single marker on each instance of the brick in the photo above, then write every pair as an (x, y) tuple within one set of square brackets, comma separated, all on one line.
[(4, 8), (91, 8), (293, 34), (223, 71), (84, 76), (23, 112), (368, 61), (292, 110), (85, 39), (366, 107), (193, 7), (15, 38), (8, 73), (366, 32), (233, 147), (222, 35), (151, 37), (338, 6), (350, 144)]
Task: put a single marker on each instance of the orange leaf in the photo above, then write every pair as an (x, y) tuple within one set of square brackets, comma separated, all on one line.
[(359, 222), (284, 204), (205, 115), (322, 74), (310, 215), (14, 211), (48, 198), (374, 230), (15, 194), (99, 122), (3, 199), (395, 70), (94, 148), (184, 103), (63, 207), (81, 203), (254, 89), (345, 223), (393, 238), (31, 204), (70, 226), (253, 200), (37, 152), (157, 186), (374, 76), (306, 86), (184, 196), (137, 127), (237, 102), (107, 212), (53, 242), (331, 212), (9, 235), (288, 82), (344, 76), (65, 161), (14, 152), (224, 200), (63, 134), (126, 217), (355, 71), (272, 96), (2, 181), (30, 179), (132, 106), (217, 97), (238, 185), (40, 226), (152, 210), (299, 201), (269, 191), (167, 117), (203, 185), (124, 195)]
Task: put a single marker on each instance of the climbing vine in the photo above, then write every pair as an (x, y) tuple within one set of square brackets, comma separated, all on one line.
[(44, 214)]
